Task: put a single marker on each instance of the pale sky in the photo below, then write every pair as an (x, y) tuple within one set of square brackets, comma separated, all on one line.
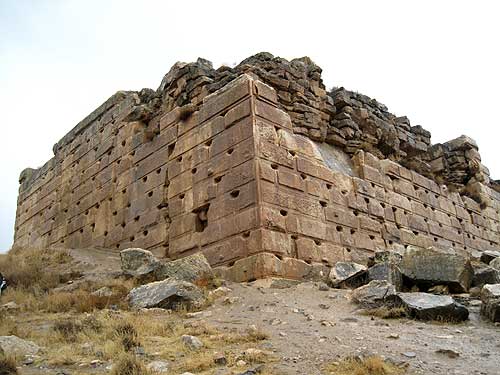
[(438, 62)]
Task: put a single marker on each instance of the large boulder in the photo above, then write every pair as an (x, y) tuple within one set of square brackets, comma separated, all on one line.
[(485, 275), (488, 255), (495, 263), (425, 306), (387, 271), (194, 269), (138, 262), (347, 275), (15, 346), (427, 267), (168, 294), (490, 298), (373, 294)]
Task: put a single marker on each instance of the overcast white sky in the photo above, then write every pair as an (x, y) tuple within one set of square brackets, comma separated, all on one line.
[(437, 62)]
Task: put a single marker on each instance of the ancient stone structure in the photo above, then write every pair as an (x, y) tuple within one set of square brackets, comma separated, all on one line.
[(260, 168)]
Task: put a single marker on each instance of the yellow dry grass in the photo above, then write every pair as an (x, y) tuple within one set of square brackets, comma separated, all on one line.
[(373, 365)]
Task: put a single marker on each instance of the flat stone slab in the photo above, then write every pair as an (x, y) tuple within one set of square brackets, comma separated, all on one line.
[(490, 298), (425, 306)]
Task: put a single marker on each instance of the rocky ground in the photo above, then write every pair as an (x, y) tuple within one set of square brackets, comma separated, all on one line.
[(271, 326)]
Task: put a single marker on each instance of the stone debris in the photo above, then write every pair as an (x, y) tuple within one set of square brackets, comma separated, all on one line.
[(347, 275), (193, 268), (430, 266), (138, 262), (485, 275), (490, 298), (495, 263), (192, 342), (386, 271), (167, 294), (15, 346), (103, 292), (449, 353), (425, 306), (488, 255), (373, 294), (160, 367)]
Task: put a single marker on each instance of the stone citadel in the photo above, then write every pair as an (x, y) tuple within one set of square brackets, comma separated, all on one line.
[(261, 169)]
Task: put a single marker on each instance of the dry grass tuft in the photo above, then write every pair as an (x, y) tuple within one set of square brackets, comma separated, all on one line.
[(373, 365), (8, 366), (386, 312), (128, 364), (127, 334)]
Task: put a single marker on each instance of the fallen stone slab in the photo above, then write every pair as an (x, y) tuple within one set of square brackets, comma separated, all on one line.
[(490, 298), (495, 263), (386, 271), (193, 268), (138, 262), (167, 294), (428, 267), (347, 275), (425, 306), (15, 346), (488, 255), (485, 275), (373, 294)]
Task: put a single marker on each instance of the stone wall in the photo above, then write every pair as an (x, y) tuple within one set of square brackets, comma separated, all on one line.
[(261, 169)]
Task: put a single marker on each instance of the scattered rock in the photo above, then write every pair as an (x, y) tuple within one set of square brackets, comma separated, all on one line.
[(280, 283), (194, 269), (485, 275), (490, 298), (495, 263), (220, 359), (449, 353), (488, 255), (410, 354), (167, 294), (10, 306), (386, 271), (373, 294), (394, 336), (220, 292), (323, 287), (160, 367), (428, 267), (425, 306), (347, 275), (103, 292), (192, 342), (138, 262), (15, 346)]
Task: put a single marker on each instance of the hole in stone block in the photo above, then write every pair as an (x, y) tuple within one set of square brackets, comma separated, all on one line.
[(367, 200), (132, 153), (348, 250), (114, 179), (372, 237), (415, 233), (373, 185), (235, 193), (145, 178), (145, 233), (86, 213), (218, 179), (344, 192), (194, 170), (132, 238), (97, 206), (124, 143), (230, 151), (453, 244), (105, 233), (170, 149), (353, 231), (246, 234), (392, 177), (78, 203), (382, 205), (279, 256), (356, 213), (115, 213), (291, 152), (406, 246), (124, 191), (81, 230), (158, 171), (294, 237), (179, 159), (110, 199), (303, 176), (329, 186), (181, 196), (339, 228), (323, 203), (150, 194), (117, 245), (109, 153), (137, 218), (440, 225), (391, 242), (274, 166), (65, 210), (208, 143), (201, 219), (435, 239), (123, 224), (230, 264), (92, 226)]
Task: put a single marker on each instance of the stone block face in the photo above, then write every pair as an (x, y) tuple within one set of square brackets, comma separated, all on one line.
[(242, 175)]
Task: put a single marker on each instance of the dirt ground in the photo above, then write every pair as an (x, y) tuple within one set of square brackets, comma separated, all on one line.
[(307, 330)]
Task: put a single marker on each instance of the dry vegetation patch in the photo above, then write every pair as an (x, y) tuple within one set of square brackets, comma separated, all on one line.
[(373, 365)]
